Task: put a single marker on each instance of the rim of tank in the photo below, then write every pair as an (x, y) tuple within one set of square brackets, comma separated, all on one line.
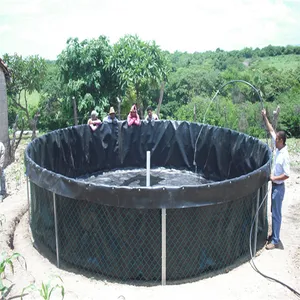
[(143, 197)]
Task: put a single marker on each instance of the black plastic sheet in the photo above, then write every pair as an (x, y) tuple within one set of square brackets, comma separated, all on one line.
[(116, 230), (238, 163)]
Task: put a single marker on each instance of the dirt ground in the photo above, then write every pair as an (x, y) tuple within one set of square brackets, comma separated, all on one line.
[(241, 282)]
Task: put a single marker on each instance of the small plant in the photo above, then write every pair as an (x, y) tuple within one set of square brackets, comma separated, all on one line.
[(47, 289), (6, 260)]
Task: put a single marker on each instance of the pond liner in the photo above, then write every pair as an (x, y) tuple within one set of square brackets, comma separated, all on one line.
[(116, 230)]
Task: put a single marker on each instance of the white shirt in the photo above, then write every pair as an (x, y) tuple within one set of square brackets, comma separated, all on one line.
[(154, 117), (281, 162)]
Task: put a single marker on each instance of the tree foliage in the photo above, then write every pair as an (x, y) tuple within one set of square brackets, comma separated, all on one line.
[(138, 66), (27, 76), (83, 73), (95, 73)]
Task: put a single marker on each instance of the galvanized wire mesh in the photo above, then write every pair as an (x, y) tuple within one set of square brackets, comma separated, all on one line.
[(42, 217), (210, 238), (126, 243)]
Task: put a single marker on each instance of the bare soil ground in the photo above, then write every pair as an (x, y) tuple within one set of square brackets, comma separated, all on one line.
[(241, 282)]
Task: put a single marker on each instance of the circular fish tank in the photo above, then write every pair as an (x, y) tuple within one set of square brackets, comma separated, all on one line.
[(89, 204)]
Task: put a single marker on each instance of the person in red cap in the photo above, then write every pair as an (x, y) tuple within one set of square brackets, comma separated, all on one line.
[(133, 117)]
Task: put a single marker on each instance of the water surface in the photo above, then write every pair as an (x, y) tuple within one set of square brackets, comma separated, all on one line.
[(137, 177)]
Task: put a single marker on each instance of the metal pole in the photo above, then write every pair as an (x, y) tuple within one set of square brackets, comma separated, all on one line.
[(56, 231), (148, 168), (163, 246), (28, 198), (256, 223)]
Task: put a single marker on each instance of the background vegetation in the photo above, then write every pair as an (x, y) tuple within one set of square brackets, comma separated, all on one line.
[(94, 74)]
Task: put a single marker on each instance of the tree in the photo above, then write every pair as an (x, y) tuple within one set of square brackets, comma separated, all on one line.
[(138, 65), (28, 75), (186, 83), (52, 108), (89, 85)]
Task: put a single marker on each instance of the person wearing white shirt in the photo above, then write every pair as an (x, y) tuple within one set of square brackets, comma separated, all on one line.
[(280, 173), (151, 116)]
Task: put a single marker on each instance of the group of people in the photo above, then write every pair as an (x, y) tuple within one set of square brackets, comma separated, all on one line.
[(280, 173), (281, 170), (94, 122), (133, 117)]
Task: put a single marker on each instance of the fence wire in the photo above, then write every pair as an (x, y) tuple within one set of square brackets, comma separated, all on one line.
[(126, 243)]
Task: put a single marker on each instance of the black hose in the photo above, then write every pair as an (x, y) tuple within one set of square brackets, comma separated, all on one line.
[(249, 84), (218, 91), (253, 222), (252, 260)]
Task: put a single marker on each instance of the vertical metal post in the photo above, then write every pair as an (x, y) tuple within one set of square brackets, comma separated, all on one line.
[(163, 246), (148, 168), (256, 223), (56, 231), (28, 198)]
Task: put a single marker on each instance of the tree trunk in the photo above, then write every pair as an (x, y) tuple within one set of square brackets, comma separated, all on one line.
[(161, 95), (139, 103), (14, 143), (34, 125), (75, 111)]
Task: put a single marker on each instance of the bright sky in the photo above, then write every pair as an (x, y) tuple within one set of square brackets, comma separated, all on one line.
[(42, 27)]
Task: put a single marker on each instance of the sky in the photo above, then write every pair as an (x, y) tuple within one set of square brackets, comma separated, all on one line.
[(42, 27)]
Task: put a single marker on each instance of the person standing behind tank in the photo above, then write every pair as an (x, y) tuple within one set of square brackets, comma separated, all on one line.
[(281, 172), (151, 116), (111, 118), (94, 122), (133, 117), (2, 175)]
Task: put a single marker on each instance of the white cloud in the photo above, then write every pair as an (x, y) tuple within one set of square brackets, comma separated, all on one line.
[(4, 28), (43, 27)]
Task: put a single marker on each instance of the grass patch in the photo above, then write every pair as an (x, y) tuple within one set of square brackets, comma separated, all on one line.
[(281, 62), (33, 99), (293, 145), (294, 151)]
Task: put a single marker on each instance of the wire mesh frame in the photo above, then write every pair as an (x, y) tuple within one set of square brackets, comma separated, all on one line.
[(91, 236)]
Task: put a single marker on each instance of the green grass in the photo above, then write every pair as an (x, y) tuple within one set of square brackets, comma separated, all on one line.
[(33, 99), (294, 151), (281, 62), (293, 145)]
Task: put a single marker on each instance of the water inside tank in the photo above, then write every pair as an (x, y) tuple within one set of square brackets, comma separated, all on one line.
[(137, 177)]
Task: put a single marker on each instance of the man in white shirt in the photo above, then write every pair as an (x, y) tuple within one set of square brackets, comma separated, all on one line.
[(2, 176), (280, 173), (151, 116)]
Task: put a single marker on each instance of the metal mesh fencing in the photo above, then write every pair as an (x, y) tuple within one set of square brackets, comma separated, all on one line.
[(42, 217), (126, 243), (210, 238)]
